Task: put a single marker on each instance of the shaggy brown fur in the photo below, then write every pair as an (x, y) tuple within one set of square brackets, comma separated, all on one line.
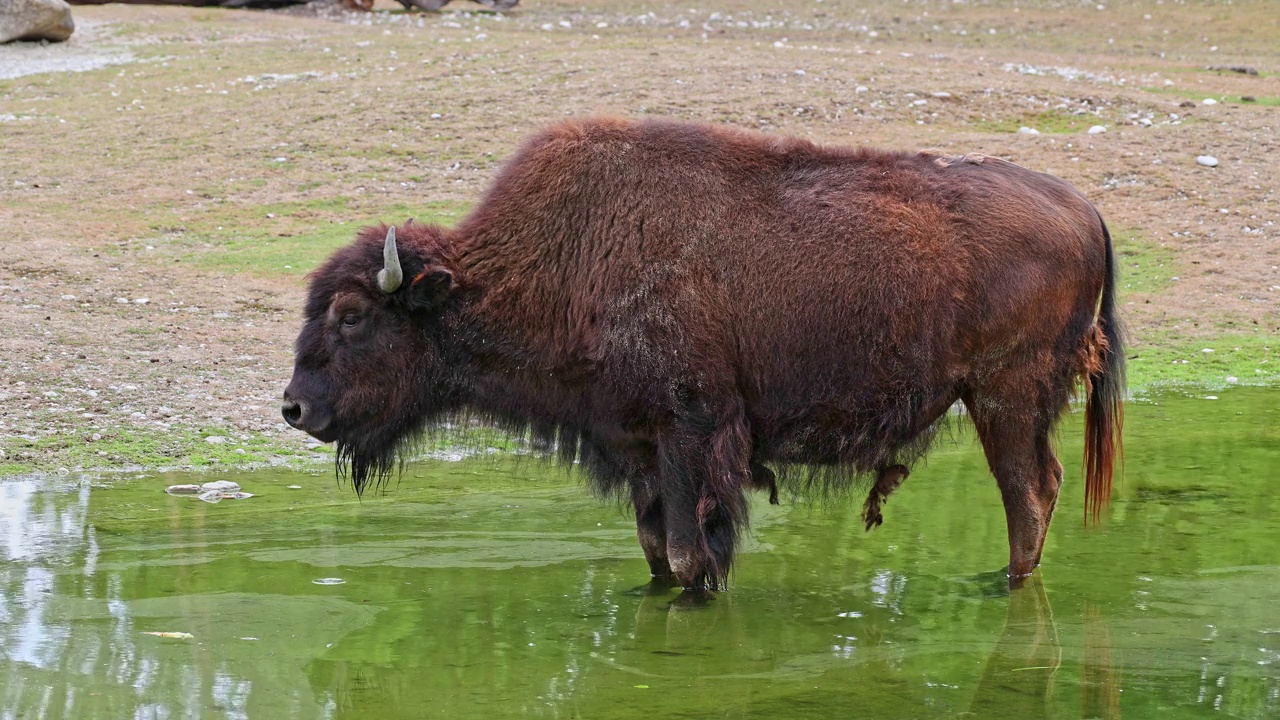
[(676, 304)]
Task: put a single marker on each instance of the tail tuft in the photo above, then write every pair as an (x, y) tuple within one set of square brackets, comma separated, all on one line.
[(1105, 385)]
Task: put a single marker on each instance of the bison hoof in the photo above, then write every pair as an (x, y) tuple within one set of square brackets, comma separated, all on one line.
[(873, 521)]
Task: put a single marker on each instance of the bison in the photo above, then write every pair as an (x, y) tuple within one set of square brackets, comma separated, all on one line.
[(678, 306)]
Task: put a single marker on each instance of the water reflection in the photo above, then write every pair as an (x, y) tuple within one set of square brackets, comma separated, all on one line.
[(1018, 677)]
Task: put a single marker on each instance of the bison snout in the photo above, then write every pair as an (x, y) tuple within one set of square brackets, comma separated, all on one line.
[(307, 418), (292, 412)]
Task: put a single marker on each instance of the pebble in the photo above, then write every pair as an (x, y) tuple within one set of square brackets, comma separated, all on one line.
[(217, 496), (943, 95), (1097, 129), (215, 440), (1209, 101), (183, 489), (294, 487), (1232, 379), (1024, 130), (328, 581), (1207, 161), (220, 486)]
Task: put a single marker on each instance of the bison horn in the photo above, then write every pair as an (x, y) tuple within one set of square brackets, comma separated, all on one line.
[(390, 276)]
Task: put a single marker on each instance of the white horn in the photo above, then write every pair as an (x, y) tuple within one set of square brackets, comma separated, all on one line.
[(390, 276)]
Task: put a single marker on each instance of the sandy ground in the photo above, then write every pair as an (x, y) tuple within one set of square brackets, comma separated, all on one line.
[(159, 207)]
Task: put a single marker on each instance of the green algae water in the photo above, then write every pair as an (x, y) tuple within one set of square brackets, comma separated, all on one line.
[(495, 586)]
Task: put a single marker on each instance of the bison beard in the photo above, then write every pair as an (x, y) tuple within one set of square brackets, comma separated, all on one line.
[(680, 307)]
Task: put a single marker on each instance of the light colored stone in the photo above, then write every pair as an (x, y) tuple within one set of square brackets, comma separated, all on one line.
[(1097, 129), (225, 486), (35, 20), (1207, 161), (1028, 131)]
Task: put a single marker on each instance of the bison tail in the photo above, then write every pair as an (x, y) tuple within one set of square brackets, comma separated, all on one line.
[(1104, 376)]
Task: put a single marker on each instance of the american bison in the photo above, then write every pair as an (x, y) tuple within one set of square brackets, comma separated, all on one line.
[(676, 305)]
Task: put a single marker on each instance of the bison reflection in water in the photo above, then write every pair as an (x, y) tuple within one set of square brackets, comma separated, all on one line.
[(676, 305)]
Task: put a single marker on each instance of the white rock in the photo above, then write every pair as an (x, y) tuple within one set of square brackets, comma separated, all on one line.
[(1209, 101), (861, 89), (225, 486), (35, 20), (943, 95), (183, 489), (1207, 161), (215, 440), (1232, 379), (1097, 129), (1024, 130)]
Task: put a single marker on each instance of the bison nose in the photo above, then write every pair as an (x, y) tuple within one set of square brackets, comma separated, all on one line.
[(292, 412)]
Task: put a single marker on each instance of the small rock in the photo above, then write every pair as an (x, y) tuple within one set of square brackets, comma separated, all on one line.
[(183, 489), (212, 496), (221, 486), (1248, 98), (35, 20), (1207, 161), (294, 487), (1232, 379), (1186, 103), (1024, 130), (215, 440), (943, 95), (1209, 101), (1242, 69), (328, 581), (861, 89), (1097, 129)]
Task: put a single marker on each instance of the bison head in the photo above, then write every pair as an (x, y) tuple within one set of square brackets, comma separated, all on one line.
[(369, 372)]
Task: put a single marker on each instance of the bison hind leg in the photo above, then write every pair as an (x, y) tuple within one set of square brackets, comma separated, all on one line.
[(887, 480), (762, 478)]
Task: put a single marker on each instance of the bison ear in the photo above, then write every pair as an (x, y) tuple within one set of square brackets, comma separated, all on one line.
[(430, 288)]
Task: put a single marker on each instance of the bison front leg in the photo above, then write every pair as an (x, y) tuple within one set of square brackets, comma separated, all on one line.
[(701, 481), (651, 530)]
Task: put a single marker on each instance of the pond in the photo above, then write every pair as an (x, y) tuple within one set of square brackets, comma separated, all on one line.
[(495, 586)]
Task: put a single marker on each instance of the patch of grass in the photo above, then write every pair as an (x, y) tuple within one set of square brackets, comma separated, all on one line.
[(294, 238), (1199, 95), (1169, 358), (145, 448), (1145, 267), (1049, 122)]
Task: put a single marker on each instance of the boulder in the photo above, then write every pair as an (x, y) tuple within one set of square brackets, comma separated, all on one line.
[(35, 20)]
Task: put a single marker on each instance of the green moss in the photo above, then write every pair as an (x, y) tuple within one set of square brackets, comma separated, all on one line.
[(1170, 358), (1199, 95), (1145, 267), (1052, 122), (294, 238)]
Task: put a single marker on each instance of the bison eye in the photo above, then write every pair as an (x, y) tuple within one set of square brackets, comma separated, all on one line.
[(350, 321)]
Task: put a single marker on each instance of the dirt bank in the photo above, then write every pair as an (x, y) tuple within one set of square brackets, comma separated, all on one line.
[(159, 215)]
